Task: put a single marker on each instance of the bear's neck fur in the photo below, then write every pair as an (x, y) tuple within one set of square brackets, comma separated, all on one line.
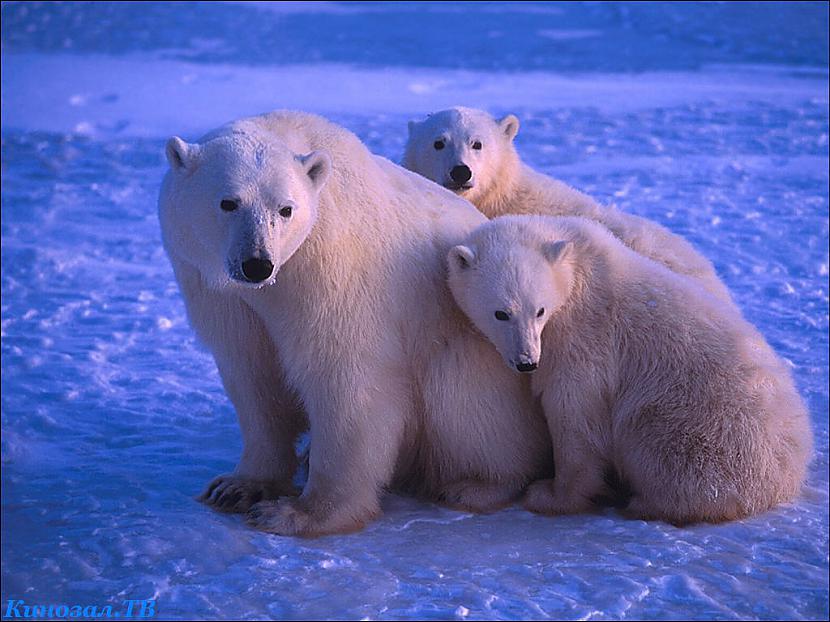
[(592, 298), (518, 189), (496, 198)]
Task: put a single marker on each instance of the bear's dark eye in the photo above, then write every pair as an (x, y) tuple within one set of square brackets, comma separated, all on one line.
[(502, 316), (541, 312), (229, 205), (438, 144), (477, 145), (286, 211)]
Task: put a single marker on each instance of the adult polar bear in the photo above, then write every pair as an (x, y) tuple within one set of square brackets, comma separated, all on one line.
[(472, 154), (314, 271)]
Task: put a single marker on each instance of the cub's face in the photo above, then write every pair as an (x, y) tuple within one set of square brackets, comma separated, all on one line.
[(240, 205), (460, 149), (511, 295)]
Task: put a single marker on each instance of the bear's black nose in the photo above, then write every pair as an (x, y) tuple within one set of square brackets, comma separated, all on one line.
[(461, 174), (526, 366), (257, 270)]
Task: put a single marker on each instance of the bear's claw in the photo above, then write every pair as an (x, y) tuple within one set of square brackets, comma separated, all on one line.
[(234, 494)]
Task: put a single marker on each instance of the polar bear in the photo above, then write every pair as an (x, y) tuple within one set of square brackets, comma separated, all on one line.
[(472, 154), (314, 271), (644, 378)]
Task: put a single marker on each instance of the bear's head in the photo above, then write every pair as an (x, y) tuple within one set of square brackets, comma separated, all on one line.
[(238, 205), (509, 289), (462, 149)]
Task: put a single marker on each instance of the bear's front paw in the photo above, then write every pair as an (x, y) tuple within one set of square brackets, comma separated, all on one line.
[(282, 517), (544, 497), (479, 497), (231, 493), (291, 517)]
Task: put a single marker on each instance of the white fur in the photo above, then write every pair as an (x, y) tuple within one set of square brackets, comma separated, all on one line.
[(502, 185), (642, 374), (356, 324)]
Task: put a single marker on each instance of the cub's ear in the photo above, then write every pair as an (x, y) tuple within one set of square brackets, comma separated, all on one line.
[(462, 257), (510, 126), (556, 251), (317, 165), (181, 155), (414, 123)]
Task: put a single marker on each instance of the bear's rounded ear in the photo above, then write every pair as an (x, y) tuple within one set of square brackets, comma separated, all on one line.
[(556, 251), (317, 165), (182, 156), (461, 256), (411, 126), (510, 126)]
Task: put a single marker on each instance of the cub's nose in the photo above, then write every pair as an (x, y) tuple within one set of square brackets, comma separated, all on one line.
[(257, 270), (526, 367), (461, 174)]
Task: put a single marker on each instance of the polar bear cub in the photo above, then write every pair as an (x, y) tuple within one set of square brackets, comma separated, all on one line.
[(643, 376), (472, 154)]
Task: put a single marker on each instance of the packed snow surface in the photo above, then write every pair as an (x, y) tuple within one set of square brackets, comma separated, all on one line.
[(711, 119)]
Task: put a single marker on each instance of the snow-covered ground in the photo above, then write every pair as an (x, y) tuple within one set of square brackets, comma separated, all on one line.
[(711, 119)]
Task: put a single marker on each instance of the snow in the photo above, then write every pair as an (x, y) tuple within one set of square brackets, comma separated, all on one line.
[(113, 417), (94, 94)]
